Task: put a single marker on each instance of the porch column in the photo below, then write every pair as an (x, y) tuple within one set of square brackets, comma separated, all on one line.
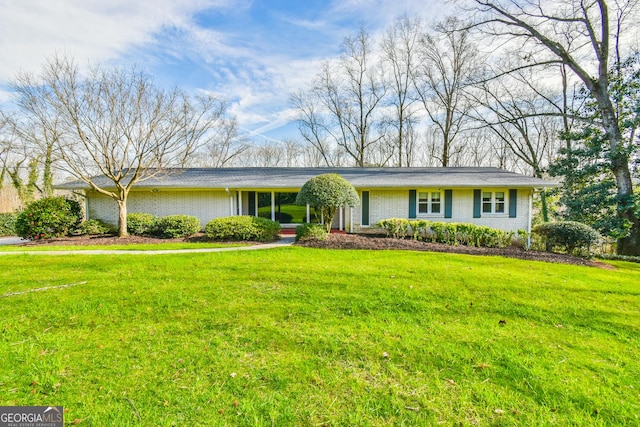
[(341, 225), (273, 206), (240, 202), (529, 217), (350, 220), (308, 214)]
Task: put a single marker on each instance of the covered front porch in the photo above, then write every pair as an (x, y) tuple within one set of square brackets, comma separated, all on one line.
[(280, 206)]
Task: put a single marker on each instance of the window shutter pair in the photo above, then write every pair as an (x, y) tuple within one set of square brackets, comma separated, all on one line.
[(413, 201), (513, 203)]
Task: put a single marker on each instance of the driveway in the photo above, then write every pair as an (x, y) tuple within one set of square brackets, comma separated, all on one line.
[(10, 240)]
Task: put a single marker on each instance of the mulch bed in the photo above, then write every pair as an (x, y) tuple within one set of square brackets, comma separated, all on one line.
[(351, 241)]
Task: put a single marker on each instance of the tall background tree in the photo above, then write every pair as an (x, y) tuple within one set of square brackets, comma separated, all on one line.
[(449, 61), (115, 123), (586, 37), (343, 108)]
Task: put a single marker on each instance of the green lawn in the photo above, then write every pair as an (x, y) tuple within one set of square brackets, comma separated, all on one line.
[(303, 337)]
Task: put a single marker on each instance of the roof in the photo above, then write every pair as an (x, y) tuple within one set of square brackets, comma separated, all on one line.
[(290, 178)]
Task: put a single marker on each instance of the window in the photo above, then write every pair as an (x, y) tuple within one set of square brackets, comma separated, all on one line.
[(429, 202), (493, 202)]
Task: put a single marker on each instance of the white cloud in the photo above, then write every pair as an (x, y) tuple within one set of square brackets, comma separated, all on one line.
[(33, 30)]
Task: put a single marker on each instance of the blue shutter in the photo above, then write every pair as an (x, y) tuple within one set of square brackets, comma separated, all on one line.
[(513, 203), (365, 208), (412, 204), (477, 203), (448, 203)]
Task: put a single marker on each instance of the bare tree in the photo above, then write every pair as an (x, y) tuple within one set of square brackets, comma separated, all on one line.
[(523, 121), (400, 50), (222, 145), (585, 36), (449, 61), (115, 123), (343, 107)]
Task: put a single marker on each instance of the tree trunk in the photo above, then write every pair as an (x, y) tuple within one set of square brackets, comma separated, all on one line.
[(122, 218), (629, 245)]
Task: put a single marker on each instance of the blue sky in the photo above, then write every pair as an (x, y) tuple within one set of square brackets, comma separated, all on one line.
[(251, 53)]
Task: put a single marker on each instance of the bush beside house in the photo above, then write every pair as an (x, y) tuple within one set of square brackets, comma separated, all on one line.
[(141, 223), (48, 217), (569, 236), (451, 233), (243, 228), (175, 226)]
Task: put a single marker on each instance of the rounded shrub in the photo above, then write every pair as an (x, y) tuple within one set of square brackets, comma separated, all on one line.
[(571, 236), (141, 223), (174, 226), (311, 231), (94, 227), (8, 223), (48, 217), (243, 228), (326, 193)]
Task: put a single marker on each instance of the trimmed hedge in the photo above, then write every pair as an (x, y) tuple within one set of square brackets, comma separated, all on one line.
[(174, 226), (311, 231), (141, 223), (8, 223), (48, 217), (570, 236), (243, 228), (450, 233)]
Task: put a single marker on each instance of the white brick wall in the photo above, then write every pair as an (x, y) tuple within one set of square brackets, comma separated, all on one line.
[(383, 204), (205, 205), (395, 204)]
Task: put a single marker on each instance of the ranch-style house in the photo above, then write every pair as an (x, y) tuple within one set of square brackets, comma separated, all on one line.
[(485, 196)]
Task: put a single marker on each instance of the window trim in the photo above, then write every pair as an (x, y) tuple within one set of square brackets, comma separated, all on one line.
[(494, 202), (430, 213)]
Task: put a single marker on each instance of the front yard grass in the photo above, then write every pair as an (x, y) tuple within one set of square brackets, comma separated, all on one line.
[(304, 337)]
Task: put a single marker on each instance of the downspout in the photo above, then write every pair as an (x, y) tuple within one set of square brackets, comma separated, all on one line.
[(530, 218)]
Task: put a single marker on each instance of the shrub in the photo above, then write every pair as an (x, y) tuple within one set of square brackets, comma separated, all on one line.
[(572, 237), (8, 223), (311, 231), (141, 224), (243, 228), (450, 233), (326, 193), (48, 217), (395, 227), (94, 227), (174, 226)]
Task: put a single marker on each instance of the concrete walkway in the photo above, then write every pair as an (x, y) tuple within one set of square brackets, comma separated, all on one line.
[(12, 240), (283, 242)]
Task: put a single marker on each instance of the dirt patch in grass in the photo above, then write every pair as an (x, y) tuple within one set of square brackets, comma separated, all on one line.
[(352, 241)]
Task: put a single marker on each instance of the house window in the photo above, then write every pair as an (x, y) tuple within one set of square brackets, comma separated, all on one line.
[(493, 202), (429, 203)]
